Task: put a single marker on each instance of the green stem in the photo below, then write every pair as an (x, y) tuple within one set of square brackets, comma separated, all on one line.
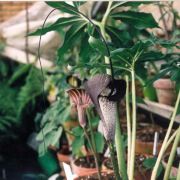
[(132, 160), (171, 139), (178, 175), (120, 148), (94, 143), (102, 29), (113, 159), (128, 123), (91, 130), (94, 154), (172, 155), (106, 14), (154, 173)]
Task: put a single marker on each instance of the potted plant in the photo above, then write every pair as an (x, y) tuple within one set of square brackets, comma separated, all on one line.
[(106, 90), (86, 136), (165, 89)]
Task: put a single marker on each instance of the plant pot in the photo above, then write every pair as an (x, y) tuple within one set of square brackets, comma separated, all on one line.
[(64, 158), (104, 175), (174, 168), (145, 139), (145, 147), (80, 166), (140, 173), (165, 89)]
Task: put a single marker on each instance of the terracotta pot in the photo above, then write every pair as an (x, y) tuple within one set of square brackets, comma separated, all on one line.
[(64, 158), (82, 171), (145, 147), (165, 89), (174, 170)]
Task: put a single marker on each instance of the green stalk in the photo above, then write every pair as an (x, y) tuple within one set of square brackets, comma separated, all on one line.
[(113, 159), (178, 175), (94, 154), (128, 123), (172, 155), (171, 139), (120, 148), (154, 173), (91, 130), (102, 29), (132, 160)]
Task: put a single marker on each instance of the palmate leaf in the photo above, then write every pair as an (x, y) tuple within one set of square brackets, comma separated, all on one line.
[(159, 75), (71, 36), (116, 4), (78, 3), (98, 45), (51, 138), (60, 23), (99, 142), (77, 144), (152, 56), (119, 37), (139, 20), (64, 7)]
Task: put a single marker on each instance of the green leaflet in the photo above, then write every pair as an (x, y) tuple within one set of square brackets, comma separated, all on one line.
[(139, 20), (60, 23), (64, 7), (71, 37)]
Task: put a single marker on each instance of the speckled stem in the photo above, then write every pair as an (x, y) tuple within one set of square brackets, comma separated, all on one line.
[(120, 148)]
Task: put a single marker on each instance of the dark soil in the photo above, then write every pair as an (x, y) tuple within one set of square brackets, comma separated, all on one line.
[(105, 176), (108, 164), (147, 134), (139, 161), (86, 162)]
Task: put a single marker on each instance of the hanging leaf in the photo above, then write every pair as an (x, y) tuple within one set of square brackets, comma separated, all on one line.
[(120, 38), (64, 7), (159, 75), (78, 3), (71, 37), (139, 20), (152, 56), (116, 4), (78, 131), (99, 141), (77, 144), (98, 45), (60, 23)]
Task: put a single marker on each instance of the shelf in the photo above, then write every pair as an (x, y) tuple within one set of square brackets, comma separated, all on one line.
[(20, 56), (159, 109)]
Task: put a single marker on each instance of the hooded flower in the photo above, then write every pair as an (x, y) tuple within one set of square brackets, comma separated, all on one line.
[(105, 94), (81, 100)]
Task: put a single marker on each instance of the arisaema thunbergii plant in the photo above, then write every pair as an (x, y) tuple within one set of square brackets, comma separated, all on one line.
[(119, 44)]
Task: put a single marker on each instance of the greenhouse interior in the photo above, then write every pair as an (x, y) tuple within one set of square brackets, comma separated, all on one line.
[(90, 90)]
